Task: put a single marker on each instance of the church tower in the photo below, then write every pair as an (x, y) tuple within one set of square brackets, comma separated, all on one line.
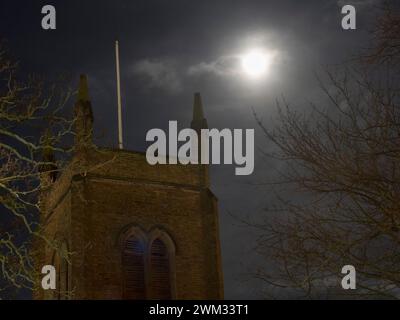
[(123, 229)]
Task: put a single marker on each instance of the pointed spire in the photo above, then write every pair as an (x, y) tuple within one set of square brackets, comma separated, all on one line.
[(83, 91), (48, 168), (198, 122), (83, 116), (197, 107)]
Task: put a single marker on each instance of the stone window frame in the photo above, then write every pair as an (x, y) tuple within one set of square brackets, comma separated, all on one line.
[(157, 233), (147, 239), (57, 261), (139, 234)]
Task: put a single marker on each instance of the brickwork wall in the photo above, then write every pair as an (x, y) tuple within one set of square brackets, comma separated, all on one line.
[(117, 189)]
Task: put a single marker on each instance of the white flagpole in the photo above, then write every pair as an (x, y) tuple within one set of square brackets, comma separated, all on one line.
[(120, 145)]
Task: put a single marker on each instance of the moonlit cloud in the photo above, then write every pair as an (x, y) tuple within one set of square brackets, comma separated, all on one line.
[(159, 74), (222, 66), (231, 65)]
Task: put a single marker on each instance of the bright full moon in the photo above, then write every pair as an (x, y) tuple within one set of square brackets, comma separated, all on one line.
[(255, 63)]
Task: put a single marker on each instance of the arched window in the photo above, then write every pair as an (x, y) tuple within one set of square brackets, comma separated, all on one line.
[(61, 264), (133, 268), (160, 273), (148, 264)]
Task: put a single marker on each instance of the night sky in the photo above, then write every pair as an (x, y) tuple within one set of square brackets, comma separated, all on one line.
[(171, 49)]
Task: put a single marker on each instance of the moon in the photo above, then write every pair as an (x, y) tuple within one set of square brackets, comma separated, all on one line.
[(255, 63)]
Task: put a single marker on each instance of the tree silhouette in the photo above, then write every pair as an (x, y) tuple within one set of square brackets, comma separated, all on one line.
[(33, 129), (343, 159)]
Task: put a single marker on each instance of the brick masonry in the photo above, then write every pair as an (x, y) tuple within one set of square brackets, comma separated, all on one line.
[(104, 192)]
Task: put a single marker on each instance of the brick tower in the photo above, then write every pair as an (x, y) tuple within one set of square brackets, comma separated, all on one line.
[(127, 230)]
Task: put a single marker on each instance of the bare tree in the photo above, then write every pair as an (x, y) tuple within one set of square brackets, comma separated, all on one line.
[(386, 38), (343, 166), (33, 129)]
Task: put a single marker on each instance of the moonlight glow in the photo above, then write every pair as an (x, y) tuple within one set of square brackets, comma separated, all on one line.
[(255, 63)]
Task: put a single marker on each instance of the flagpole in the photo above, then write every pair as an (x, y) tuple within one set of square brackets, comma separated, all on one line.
[(120, 145)]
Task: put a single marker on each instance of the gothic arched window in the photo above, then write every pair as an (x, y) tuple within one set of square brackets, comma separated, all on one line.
[(160, 271), (61, 264), (147, 264), (134, 269)]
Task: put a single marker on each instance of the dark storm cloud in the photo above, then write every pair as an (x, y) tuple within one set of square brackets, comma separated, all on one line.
[(170, 49)]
